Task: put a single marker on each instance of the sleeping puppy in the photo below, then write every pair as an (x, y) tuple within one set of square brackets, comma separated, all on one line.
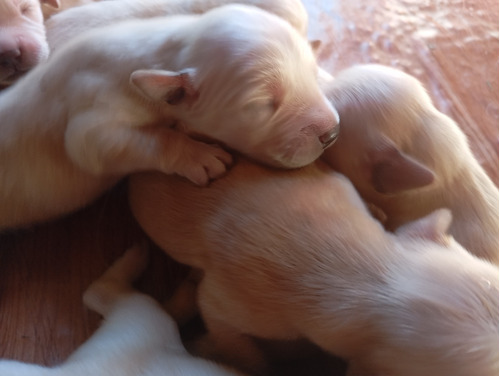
[(66, 26), (105, 107), (23, 43), (137, 338), (409, 159), (295, 254)]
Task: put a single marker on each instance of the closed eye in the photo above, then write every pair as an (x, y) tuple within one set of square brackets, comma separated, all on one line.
[(260, 110)]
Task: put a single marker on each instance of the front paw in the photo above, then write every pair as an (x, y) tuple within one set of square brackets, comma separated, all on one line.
[(204, 163)]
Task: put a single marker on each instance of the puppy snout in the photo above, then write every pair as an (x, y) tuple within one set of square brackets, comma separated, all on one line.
[(10, 58), (327, 139)]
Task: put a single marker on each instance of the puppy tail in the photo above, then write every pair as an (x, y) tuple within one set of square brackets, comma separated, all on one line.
[(103, 294)]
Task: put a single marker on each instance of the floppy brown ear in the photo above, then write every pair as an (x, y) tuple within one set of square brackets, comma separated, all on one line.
[(165, 86), (433, 226), (53, 3), (393, 171)]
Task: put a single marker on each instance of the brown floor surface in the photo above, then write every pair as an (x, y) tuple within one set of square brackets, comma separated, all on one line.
[(453, 49)]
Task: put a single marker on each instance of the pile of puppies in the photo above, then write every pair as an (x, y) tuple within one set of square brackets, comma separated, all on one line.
[(283, 253), (125, 98)]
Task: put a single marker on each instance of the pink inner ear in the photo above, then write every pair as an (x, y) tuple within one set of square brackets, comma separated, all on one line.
[(393, 172)]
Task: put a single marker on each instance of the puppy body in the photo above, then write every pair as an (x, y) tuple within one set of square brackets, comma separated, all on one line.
[(104, 106), (23, 42), (290, 254), (137, 338), (409, 159), (64, 27)]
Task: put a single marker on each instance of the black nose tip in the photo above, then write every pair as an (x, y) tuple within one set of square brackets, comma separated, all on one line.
[(327, 139), (10, 58)]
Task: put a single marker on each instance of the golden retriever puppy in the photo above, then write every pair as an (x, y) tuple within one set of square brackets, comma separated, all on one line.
[(409, 159), (66, 26), (137, 338), (295, 254), (126, 98), (23, 43)]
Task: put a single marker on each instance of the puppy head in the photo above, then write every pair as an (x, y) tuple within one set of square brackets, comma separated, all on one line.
[(386, 116), (254, 84), (22, 37)]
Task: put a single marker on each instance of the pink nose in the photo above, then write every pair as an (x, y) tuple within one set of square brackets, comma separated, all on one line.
[(327, 139)]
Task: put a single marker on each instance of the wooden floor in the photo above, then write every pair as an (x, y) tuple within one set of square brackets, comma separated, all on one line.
[(453, 49)]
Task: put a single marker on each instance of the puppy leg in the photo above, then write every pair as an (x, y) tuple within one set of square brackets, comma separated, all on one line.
[(120, 149), (103, 296), (134, 322), (103, 293), (223, 342)]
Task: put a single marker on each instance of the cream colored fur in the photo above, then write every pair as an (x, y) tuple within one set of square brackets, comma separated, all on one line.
[(105, 106), (49, 11), (295, 254), (409, 159), (23, 42), (65, 26), (137, 337)]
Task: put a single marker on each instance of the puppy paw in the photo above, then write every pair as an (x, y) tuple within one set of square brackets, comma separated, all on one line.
[(103, 293), (204, 163)]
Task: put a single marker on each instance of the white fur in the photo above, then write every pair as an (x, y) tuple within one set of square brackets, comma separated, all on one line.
[(104, 106), (137, 338), (391, 133), (49, 11), (66, 26), (23, 42), (291, 254)]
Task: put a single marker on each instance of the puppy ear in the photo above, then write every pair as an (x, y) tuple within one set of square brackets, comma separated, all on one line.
[(164, 86), (432, 227), (393, 171), (53, 3)]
